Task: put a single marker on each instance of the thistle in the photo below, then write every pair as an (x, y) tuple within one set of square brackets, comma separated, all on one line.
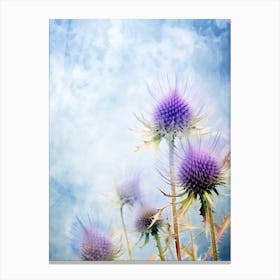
[(90, 244), (128, 191), (173, 116), (148, 222), (201, 171)]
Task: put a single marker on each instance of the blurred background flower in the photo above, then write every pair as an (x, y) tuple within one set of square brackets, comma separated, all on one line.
[(128, 190), (90, 244)]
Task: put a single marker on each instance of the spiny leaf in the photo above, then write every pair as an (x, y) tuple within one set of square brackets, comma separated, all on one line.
[(155, 218), (169, 195), (226, 162), (146, 145), (167, 237), (188, 252), (186, 204), (145, 122), (184, 227), (147, 238), (220, 229), (209, 199)]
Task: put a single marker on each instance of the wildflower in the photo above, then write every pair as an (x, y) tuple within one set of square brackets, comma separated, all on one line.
[(91, 244), (173, 115), (148, 222), (202, 169), (128, 190)]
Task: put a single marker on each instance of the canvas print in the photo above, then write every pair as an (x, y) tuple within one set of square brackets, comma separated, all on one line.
[(139, 144)]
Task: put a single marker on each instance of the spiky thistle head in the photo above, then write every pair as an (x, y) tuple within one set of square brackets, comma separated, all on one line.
[(174, 115), (199, 172), (147, 221), (90, 244), (203, 167), (128, 190)]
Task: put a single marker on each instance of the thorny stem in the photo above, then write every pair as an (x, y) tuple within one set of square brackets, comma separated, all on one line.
[(173, 192), (125, 234), (213, 233), (160, 250)]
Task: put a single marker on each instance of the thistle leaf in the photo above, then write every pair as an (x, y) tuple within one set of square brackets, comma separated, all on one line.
[(187, 252), (222, 227), (154, 143), (209, 199), (155, 218), (186, 204), (226, 162), (147, 238), (220, 230), (169, 195)]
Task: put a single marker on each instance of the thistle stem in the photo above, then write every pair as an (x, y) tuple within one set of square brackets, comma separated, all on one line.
[(125, 234), (160, 250), (191, 236), (213, 234), (173, 193)]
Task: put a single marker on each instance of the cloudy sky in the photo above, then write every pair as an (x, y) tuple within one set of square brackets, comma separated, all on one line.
[(99, 72)]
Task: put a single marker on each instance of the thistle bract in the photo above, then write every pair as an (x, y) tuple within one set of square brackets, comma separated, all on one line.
[(146, 221), (91, 244)]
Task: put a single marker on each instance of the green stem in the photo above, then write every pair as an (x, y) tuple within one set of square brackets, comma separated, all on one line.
[(160, 250), (125, 234), (173, 193), (213, 234)]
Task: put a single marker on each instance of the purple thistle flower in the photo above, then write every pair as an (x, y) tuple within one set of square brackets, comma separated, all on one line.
[(128, 190), (199, 171), (173, 114), (202, 169), (90, 244)]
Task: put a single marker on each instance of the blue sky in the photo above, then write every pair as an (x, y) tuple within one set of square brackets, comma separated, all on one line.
[(98, 75)]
